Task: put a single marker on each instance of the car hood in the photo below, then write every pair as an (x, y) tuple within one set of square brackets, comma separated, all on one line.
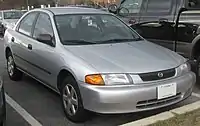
[(10, 23), (130, 57), (10, 20)]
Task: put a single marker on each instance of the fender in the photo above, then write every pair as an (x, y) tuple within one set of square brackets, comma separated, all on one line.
[(69, 70)]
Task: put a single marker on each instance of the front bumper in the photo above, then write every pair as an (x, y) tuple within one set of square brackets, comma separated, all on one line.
[(133, 98)]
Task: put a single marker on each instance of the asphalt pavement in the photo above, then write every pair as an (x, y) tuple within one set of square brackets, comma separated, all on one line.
[(30, 102)]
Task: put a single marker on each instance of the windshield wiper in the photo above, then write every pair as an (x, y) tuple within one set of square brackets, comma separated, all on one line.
[(75, 42), (120, 40)]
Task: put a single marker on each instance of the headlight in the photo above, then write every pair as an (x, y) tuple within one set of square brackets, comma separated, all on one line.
[(107, 79), (115, 79), (184, 68)]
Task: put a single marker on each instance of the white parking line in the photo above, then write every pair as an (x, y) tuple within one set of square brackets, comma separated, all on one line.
[(32, 121), (196, 95)]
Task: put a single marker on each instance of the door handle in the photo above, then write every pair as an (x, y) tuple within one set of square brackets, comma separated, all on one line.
[(12, 39), (29, 46)]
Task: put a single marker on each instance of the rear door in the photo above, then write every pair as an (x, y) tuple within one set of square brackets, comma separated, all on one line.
[(20, 42), (161, 33)]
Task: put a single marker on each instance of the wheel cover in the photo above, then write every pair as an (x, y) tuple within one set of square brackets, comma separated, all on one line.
[(70, 100), (10, 66)]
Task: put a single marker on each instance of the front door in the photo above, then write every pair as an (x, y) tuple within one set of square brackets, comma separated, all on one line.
[(44, 56)]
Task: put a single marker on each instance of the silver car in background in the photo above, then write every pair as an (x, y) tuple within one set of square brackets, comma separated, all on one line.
[(8, 18), (96, 62)]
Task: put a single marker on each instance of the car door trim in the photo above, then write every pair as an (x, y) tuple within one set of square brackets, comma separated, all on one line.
[(42, 82), (46, 71)]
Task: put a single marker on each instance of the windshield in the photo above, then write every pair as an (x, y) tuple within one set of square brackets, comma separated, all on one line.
[(12, 14), (133, 6), (98, 28)]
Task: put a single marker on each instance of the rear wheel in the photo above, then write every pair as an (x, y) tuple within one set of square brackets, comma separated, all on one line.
[(12, 70), (72, 102)]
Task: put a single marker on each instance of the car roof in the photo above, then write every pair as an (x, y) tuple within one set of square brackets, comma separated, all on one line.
[(74, 10), (9, 10)]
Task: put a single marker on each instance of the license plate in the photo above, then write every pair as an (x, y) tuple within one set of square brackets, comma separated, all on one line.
[(167, 90)]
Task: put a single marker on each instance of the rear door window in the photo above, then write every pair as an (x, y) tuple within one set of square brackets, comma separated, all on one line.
[(159, 6)]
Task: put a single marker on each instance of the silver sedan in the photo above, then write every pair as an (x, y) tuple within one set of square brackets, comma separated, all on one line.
[(96, 62)]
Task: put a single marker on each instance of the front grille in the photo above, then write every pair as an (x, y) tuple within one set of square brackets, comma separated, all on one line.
[(155, 102), (155, 75)]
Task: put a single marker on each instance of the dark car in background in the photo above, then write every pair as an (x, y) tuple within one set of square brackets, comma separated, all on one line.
[(95, 6), (2, 103), (174, 24)]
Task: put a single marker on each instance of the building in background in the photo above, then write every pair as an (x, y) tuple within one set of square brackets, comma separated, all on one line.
[(101, 2), (23, 4)]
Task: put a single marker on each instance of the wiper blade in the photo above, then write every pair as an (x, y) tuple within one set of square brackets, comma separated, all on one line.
[(119, 40), (74, 42)]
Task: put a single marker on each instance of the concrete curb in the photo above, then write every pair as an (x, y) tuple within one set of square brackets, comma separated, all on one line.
[(165, 115)]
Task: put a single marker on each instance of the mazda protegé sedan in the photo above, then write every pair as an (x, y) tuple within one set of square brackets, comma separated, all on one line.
[(96, 62)]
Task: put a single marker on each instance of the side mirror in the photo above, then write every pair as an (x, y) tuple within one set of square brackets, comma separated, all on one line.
[(113, 8), (123, 12), (183, 9), (45, 38), (1, 18), (163, 20)]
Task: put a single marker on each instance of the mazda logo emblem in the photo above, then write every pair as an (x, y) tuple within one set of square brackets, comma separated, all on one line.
[(160, 75)]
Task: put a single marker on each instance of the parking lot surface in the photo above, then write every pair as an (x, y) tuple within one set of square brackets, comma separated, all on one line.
[(31, 101)]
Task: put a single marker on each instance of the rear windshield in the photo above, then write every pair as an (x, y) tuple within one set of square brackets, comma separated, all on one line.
[(13, 14)]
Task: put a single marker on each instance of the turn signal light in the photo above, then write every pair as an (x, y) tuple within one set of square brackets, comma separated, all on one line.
[(94, 79)]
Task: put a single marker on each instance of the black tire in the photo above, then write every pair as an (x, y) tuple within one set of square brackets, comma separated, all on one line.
[(16, 74), (81, 115)]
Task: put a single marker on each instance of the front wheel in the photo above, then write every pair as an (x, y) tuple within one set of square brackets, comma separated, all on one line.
[(72, 102)]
